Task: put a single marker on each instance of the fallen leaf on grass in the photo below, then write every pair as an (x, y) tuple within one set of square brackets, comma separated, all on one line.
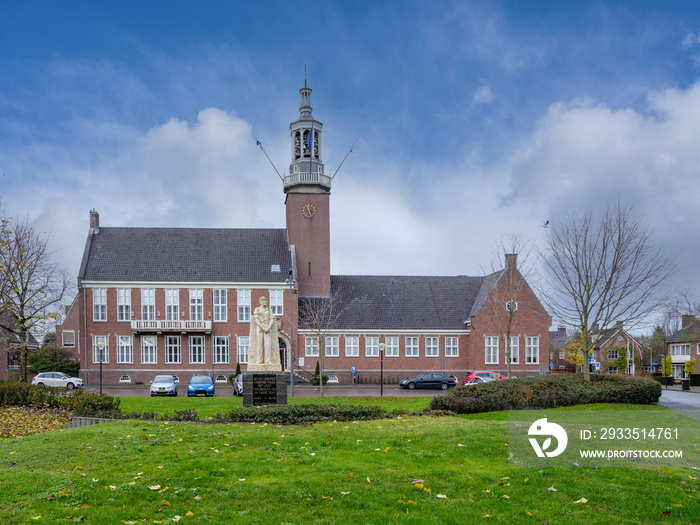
[(189, 514), (154, 487), (552, 489), (418, 481), (441, 496), (582, 500)]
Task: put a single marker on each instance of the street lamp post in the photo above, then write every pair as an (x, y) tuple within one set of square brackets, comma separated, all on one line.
[(101, 347), (290, 282), (381, 369)]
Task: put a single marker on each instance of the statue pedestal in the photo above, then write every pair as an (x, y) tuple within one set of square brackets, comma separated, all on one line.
[(264, 388)]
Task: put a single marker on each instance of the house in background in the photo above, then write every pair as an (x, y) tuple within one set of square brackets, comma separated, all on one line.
[(179, 300), (557, 341), (684, 345), (10, 347), (613, 347)]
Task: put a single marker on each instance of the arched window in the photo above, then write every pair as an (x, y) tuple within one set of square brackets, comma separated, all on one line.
[(221, 379), (125, 379)]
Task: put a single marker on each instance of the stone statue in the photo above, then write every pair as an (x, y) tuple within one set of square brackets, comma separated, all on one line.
[(263, 350)]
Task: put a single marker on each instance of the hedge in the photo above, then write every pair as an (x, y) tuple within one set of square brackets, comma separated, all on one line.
[(548, 392), (295, 414), (14, 393)]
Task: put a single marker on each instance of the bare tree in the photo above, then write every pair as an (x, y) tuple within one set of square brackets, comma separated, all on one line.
[(34, 284), (508, 285), (320, 315), (601, 269)]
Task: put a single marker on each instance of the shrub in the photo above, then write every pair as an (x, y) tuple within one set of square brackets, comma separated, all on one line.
[(548, 392), (94, 405), (295, 414), (186, 415)]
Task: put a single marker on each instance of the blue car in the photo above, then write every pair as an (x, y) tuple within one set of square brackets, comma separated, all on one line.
[(201, 385)]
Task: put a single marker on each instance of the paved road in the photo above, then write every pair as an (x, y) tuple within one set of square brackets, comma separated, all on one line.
[(683, 402)]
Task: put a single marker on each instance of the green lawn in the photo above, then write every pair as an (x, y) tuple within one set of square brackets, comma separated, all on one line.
[(206, 407), (156, 472)]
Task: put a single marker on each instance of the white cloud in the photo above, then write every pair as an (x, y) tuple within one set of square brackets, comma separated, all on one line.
[(583, 153), (483, 95)]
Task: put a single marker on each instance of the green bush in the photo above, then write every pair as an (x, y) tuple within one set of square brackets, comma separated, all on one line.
[(13, 393), (186, 415), (314, 380), (295, 414), (548, 392), (53, 358), (94, 405)]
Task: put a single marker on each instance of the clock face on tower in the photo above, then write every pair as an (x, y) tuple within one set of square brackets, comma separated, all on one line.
[(308, 211)]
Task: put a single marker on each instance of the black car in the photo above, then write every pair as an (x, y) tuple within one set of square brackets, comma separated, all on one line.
[(429, 380)]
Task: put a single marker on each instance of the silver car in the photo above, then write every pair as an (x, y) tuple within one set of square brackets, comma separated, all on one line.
[(58, 379), (164, 386), (238, 385)]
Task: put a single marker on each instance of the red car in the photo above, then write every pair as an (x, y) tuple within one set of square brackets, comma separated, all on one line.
[(483, 373)]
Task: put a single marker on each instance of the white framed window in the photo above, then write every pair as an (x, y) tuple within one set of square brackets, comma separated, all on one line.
[(68, 338), (680, 349), (221, 379), (432, 347), (352, 346), (148, 304), (511, 306), (172, 304), (311, 347), (125, 379), (173, 350), (99, 304), (220, 306), (392, 346), (451, 346), (562, 355), (514, 350), (123, 304), (532, 350), (613, 354), (277, 302), (243, 306), (332, 346), (242, 347), (125, 349), (371, 347), (612, 370), (97, 353), (149, 350), (491, 350), (412, 349), (221, 350), (197, 349), (196, 304)]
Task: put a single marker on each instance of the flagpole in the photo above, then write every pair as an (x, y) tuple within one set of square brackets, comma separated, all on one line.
[(346, 156), (258, 143)]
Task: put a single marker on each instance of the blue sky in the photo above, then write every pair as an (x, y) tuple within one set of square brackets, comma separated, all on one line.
[(474, 119)]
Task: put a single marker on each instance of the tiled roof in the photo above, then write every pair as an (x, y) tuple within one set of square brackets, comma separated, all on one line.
[(370, 302), (689, 333), (186, 255), (9, 329), (558, 339)]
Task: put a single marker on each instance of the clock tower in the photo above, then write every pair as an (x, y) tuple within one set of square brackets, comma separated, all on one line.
[(308, 191)]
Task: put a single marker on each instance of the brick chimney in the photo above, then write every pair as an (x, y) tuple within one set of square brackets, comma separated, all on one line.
[(511, 261), (94, 221), (687, 320)]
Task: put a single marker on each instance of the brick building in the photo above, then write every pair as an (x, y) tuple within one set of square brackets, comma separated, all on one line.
[(179, 300)]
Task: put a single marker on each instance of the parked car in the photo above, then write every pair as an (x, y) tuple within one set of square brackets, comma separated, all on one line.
[(201, 385), (429, 380), (57, 379), (164, 386), (483, 373), (479, 380), (238, 385)]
